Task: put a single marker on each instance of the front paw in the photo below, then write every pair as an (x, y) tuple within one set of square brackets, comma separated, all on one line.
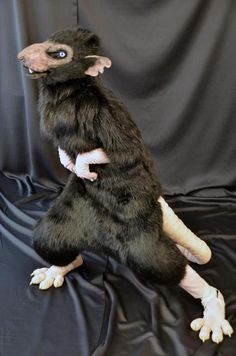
[(84, 173), (48, 277)]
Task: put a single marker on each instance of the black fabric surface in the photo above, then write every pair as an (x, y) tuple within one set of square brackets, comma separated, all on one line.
[(174, 67)]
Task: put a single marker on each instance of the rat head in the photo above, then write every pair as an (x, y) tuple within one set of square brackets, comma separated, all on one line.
[(66, 55)]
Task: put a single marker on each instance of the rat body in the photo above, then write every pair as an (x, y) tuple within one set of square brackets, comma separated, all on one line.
[(118, 213), (117, 209)]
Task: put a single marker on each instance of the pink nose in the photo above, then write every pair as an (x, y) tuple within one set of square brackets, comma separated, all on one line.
[(20, 56)]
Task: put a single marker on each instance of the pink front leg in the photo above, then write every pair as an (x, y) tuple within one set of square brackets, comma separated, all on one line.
[(65, 160), (82, 162)]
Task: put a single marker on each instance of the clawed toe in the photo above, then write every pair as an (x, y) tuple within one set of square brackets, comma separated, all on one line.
[(39, 270), (217, 335), (205, 333), (227, 328), (37, 278), (197, 324), (58, 281), (47, 283)]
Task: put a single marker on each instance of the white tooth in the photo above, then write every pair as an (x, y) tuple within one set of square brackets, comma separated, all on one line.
[(31, 71)]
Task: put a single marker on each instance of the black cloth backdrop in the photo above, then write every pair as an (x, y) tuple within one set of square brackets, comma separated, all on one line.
[(174, 67)]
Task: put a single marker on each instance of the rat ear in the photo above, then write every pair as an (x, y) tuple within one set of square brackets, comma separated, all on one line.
[(98, 66)]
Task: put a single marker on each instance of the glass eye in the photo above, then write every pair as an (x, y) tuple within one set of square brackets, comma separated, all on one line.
[(58, 54), (62, 54)]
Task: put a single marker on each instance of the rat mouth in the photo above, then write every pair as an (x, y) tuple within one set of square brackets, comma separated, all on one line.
[(35, 74)]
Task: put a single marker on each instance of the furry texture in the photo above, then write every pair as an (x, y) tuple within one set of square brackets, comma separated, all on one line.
[(118, 214)]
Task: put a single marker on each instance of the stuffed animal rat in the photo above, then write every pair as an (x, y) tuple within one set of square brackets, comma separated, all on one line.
[(112, 202)]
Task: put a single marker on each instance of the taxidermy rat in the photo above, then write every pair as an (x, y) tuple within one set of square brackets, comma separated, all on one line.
[(112, 201), (116, 212)]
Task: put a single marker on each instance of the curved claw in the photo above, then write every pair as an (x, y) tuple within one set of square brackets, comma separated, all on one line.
[(38, 270), (217, 335), (47, 283), (37, 278), (205, 333)]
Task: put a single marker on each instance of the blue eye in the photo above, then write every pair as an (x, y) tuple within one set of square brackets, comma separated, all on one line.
[(62, 54), (58, 54)]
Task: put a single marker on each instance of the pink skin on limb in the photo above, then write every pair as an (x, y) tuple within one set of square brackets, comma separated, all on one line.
[(213, 320), (190, 244), (82, 162), (193, 248)]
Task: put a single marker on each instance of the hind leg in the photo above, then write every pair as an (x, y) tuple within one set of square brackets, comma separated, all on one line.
[(67, 228), (180, 234), (155, 260), (190, 257), (62, 234), (161, 263), (213, 320)]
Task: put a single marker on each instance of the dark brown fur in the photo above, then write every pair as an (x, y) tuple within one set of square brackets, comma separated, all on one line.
[(118, 214)]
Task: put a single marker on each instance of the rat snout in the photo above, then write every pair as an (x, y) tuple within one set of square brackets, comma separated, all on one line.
[(20, 56), (41, 58), (35, 57)]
